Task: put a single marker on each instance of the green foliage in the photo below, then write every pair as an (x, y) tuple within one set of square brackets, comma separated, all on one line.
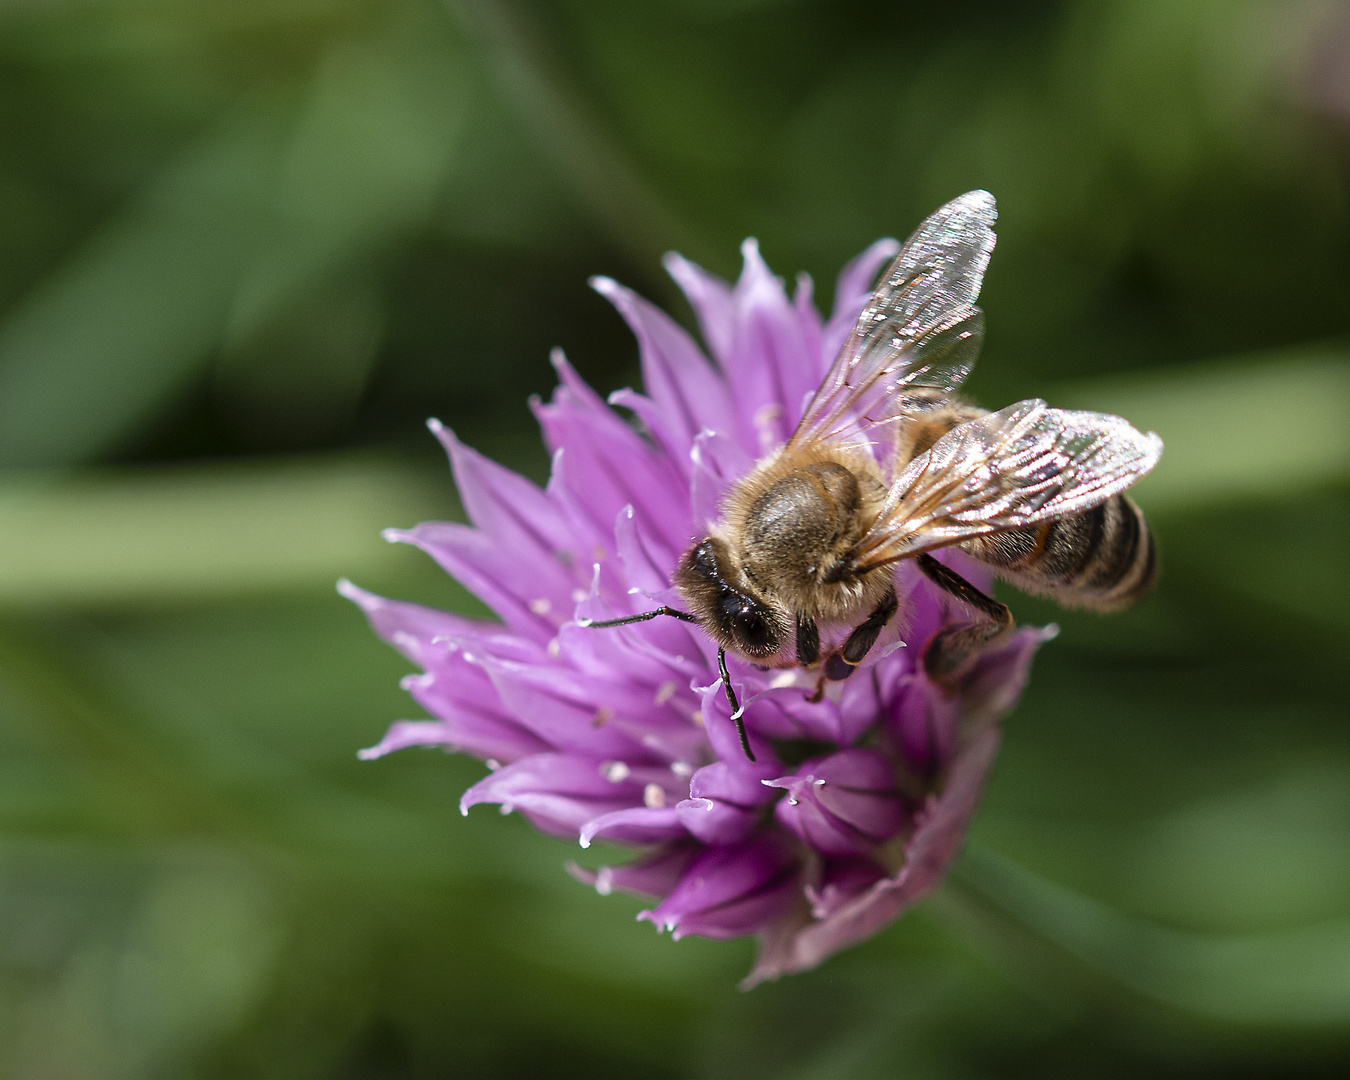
[(249, 247)]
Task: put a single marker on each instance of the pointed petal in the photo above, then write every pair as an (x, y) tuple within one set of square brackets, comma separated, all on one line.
[(724, 804), (559, 793), (405, 733), (710, 297), (655, 876), (733, 890), (938, 835), (505, 505), (718, 461), (533, 597), (771, 368), (635, 825), (470, 715), (689, 393), (411, 628), (606, 465), (851, 292)]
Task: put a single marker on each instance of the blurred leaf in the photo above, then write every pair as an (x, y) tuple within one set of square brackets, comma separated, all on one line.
[(618, 198), (275, 202), (1296, 976), (146, 982), (1242, 429), (1267, 856), (369, 151), (117, 330)]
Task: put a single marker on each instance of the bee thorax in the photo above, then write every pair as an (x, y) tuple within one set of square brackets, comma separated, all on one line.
[(795, 528)]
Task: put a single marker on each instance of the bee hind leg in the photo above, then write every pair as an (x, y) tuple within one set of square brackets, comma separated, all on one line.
[(840, 665), (950, 651)]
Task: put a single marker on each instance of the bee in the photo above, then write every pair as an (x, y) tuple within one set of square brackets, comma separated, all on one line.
[(888, 464)]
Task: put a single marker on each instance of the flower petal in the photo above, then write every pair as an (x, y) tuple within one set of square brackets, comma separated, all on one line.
[(688, 394), (852, 291), (606, 465), (938, 835), (710, 297), (654, 876), (733, 890), (845, 804), (635, 825), (532, 597), (559, 793), (410, 628), (470, 715), (725, 804), (770, 367)]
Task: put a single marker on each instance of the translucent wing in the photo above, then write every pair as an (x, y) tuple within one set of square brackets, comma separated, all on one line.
[(1021, 466), (919, 332)]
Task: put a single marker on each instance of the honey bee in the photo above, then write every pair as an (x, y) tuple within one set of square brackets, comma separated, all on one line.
[(887, 464)]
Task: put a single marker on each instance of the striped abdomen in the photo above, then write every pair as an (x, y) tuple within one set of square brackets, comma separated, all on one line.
[(1103, 558)]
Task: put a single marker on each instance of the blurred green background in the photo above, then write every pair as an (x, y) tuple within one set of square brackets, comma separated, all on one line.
[(247, 247)]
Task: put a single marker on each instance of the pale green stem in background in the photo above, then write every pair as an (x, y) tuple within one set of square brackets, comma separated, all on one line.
[(1271, 427)]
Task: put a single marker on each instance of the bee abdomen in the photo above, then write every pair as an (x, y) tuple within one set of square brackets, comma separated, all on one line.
[(1104, 558)]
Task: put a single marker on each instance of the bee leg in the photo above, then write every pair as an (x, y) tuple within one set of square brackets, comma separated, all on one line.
[(951, 650), (840, 665), (808, 641), (737, 713)]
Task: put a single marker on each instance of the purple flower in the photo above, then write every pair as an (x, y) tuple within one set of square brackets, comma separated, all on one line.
[(855, 804)]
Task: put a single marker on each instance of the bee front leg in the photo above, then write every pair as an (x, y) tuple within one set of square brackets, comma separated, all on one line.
[(951, 650), (840, 665)]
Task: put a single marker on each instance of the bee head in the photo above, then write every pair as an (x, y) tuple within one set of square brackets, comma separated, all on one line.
[(739, 621)]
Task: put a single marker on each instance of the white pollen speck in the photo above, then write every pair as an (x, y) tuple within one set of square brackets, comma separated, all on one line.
[(554, 649), (493, 764), (602, 884), (653, 797), (820, 783), (615, 771), (542, 606), (682, 768), (782, 679), (578, 596), (505, 809), (665, 692)]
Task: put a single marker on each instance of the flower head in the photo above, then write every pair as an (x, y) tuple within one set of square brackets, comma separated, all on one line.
[(854, 804)]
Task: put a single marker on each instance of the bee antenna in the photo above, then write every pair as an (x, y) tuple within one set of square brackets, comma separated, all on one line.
[(737, 713), (603, 624)]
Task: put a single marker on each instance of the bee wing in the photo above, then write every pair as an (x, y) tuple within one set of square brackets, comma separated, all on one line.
[(1005, 470), (920, 330)]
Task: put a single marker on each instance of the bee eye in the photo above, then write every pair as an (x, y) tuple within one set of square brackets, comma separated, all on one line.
[(749, 626)]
